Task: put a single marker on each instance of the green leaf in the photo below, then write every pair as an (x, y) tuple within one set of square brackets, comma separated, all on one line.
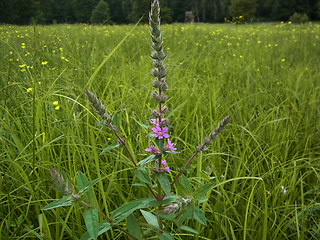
[(91, 220), (183, 191), (141, 124), (115, 120), (125, 210), (138, 185), (188, 213), (146, 160), (202, 190), (152, 202), (150, 218), (185, 182), (101, 124), (115, 145), (164, 182), (62, 202), (143, 175), (133, 226), (159, 143), (189, 229), (85, 188), (202, 199), (169, 152), (90, 185), (103, 227), (199, 216), (165, 236)]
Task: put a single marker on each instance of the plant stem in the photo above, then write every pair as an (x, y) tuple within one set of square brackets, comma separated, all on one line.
[(184, 167), (132, 160), (126, 148)]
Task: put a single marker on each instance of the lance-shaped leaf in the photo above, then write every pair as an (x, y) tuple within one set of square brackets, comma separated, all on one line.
[(91, 220), (143, 175), (199, 216), (141, 124), (125, 210), (202, 190), (115, 145), (103, 227), (62, 202), (133, 226), (159, 143), (189, 229), (185, 182), (115, 120), (150, 218), (187, 213), (85, 188), (147, 160), (183, 191), (164, 182)]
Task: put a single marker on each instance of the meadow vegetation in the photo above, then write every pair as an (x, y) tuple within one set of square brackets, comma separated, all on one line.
[(265, 75)]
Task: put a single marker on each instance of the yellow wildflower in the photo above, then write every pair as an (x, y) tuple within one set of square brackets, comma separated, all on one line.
[(55, 103), (29, 89)]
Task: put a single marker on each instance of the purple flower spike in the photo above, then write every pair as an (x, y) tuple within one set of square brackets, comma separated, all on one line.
[(170, 146), (160, 133)]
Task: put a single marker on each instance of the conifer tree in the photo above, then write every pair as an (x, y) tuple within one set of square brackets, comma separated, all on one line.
[(101, 13)]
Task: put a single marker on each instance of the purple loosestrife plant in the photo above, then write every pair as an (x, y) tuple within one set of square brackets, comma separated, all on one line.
[(164, 205)]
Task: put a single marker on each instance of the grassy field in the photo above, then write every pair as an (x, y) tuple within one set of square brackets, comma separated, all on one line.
[(266, 76)]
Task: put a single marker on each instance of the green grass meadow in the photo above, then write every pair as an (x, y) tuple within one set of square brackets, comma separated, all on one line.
[(265, 164)]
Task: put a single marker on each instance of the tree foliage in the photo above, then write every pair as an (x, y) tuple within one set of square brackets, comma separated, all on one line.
[(245, 8), (101, 13), (130, 11)]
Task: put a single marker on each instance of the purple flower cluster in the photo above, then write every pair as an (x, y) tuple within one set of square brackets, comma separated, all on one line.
[(163, 168), (160, 132)]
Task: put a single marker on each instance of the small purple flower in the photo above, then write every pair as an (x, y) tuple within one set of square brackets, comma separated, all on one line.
[(150, 149), (155, 121), (170, 146), (159, 132), (153, 149), (164, 167)]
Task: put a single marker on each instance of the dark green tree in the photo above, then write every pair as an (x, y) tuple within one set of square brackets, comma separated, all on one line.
[(83, 9), (245, 8), (282, 9), (101, 13), (140, 8), (120, 10)]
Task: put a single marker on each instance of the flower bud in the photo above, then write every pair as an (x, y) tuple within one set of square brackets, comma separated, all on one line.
[(156, 83), (164, 109), (159, 97), (155, 113), (164, 122)]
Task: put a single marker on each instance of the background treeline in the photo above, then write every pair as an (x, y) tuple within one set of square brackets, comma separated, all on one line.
[(129, 11)]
